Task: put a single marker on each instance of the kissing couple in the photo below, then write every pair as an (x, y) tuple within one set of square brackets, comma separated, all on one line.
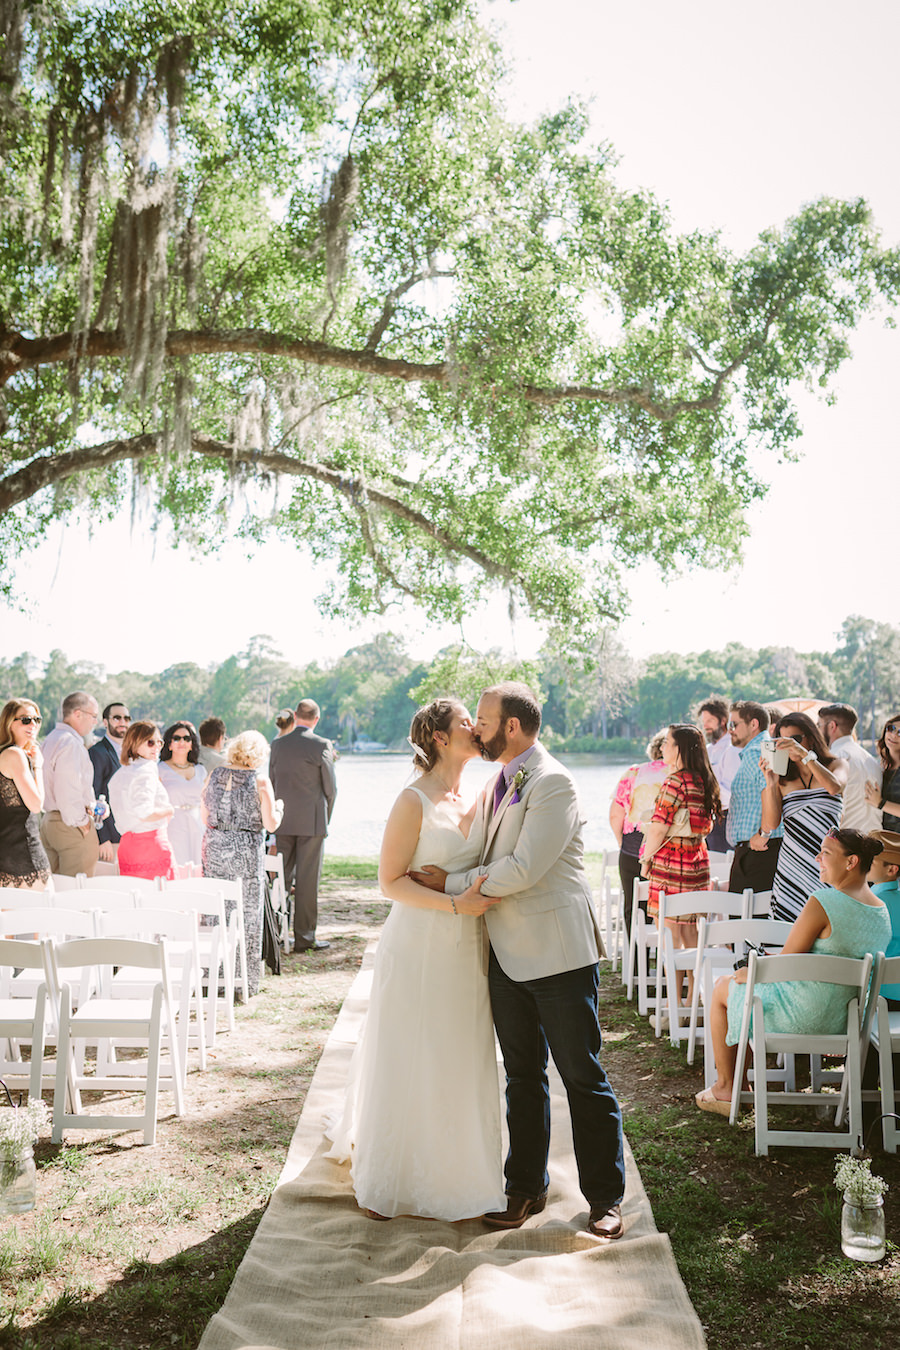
[(492, 926)]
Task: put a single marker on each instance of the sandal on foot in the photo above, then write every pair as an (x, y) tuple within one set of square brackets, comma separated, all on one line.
[(707, 1102)]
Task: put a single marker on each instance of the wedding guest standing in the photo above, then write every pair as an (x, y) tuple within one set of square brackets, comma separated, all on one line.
[(67, 829), (141, 806), (725, 760), (806, 799), (284, 722), (302, 767), (887, 797), (633, 804), (237, 808), (183, 777), (212, 743), (23, 859), (105, 757)]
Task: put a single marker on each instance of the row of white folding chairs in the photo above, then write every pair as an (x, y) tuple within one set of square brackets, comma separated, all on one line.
[(130, 992), (111, 880), (174, 917), (124, 893)]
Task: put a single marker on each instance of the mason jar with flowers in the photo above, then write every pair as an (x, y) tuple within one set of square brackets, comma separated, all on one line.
[(862, 1214)]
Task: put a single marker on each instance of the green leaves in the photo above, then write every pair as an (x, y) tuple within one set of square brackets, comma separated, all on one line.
[(298, 242)]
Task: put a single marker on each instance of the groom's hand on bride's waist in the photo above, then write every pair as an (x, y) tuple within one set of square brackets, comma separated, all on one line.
[(432, 877)]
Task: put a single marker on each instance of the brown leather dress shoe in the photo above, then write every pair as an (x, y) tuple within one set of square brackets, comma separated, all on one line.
[(518, 1209), (606, 1223)]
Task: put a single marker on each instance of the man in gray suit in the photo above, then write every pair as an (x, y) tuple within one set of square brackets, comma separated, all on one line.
[(302, 771), (543, 963)]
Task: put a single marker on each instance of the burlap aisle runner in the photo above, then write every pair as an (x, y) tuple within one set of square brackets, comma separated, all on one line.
[(319, 1274)]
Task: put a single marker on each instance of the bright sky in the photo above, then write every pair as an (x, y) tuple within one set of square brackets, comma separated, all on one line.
[(736, 116)]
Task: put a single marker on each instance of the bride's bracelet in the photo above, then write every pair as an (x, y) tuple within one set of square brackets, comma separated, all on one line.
[(453, 904)]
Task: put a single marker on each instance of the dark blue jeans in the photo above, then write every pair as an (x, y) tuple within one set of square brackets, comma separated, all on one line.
[(558, 1013)]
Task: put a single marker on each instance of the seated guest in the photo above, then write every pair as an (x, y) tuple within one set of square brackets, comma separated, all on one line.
[(632, 806), (884, 881), (141, 806), (841, 918), (806, 799), (212, 743), (886, 796)]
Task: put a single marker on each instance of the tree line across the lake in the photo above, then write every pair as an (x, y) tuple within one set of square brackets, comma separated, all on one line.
[(596, 696)]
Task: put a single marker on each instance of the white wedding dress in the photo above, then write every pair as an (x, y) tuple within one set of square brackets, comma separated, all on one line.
[(421, 1122)]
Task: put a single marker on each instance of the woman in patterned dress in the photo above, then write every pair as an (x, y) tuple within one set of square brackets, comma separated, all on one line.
[(674, 855), (237, 807), (23, 861), (807, 798)]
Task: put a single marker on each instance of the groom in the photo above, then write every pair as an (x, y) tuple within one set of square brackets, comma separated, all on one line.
[(543, 963)]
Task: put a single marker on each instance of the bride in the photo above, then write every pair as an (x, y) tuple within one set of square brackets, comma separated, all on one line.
[(421, 1122)]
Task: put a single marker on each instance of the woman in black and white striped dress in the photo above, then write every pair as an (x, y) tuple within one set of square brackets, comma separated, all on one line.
[(807, 799)]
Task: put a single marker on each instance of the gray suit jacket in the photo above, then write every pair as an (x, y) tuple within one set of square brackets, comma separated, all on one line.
[(301, 767), (534, 857)]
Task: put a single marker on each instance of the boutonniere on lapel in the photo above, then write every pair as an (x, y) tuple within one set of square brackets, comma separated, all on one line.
[(518, 782)]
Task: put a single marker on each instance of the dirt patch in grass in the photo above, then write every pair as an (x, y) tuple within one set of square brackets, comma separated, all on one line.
[(131, 1246)]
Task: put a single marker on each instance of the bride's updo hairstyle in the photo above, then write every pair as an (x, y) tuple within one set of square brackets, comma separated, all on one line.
[(435, 716), (856, 844)]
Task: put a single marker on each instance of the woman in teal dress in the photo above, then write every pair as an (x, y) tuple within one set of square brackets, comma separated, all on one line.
[(844, 918)]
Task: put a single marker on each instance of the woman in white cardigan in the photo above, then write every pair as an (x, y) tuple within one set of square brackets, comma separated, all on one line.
[(141, 806)]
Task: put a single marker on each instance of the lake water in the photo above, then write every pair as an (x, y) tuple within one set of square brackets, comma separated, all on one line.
[(368, 785)]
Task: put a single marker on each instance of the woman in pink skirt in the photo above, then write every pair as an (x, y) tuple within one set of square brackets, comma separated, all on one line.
[(141, 806)]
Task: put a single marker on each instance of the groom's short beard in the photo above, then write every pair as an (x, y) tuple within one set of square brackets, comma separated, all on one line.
[(493, 748)]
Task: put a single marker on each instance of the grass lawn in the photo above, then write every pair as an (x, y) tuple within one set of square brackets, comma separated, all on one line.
[(136, 1247)]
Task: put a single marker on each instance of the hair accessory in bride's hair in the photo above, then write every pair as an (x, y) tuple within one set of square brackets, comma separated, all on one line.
[(418, 751)]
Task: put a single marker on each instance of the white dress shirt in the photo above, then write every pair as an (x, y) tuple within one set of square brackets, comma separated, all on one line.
[(725, 760), (861, 768), (68, 776), (135, 792)]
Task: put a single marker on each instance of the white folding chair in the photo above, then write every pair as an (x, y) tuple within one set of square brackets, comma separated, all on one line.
[(232, 890), (720, 866), (274, 865), (760, 905), (61, 883), (180, 931), (24, 1018), (839, 970), (721, 943), (105, 898), (884, 1036), (608, 894), (677, 962), (114, 882), (644, 941), (16, 897), (148, 1020), (211, 935)]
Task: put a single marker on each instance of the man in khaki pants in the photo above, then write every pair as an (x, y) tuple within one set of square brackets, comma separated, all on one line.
[(67, 828)]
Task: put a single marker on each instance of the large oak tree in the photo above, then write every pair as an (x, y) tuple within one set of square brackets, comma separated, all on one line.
[(286, 265)]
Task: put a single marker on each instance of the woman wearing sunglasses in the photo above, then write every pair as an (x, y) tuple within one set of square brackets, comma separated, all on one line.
[(887, 797), (23, 860), (183, 777), (141, 806)]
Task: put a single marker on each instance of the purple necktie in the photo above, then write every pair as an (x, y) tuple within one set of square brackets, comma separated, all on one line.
[(499, 792)]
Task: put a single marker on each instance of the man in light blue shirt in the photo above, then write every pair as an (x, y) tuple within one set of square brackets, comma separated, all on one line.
[(755, 850)]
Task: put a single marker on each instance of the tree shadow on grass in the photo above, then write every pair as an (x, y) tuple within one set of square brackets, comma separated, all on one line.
[(153, 1304)]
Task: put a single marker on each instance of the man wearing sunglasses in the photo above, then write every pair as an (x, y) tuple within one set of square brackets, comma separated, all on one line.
[(105, 759), (67, 829)]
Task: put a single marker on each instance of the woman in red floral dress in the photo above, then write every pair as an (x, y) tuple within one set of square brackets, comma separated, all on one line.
[(674, 855)]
